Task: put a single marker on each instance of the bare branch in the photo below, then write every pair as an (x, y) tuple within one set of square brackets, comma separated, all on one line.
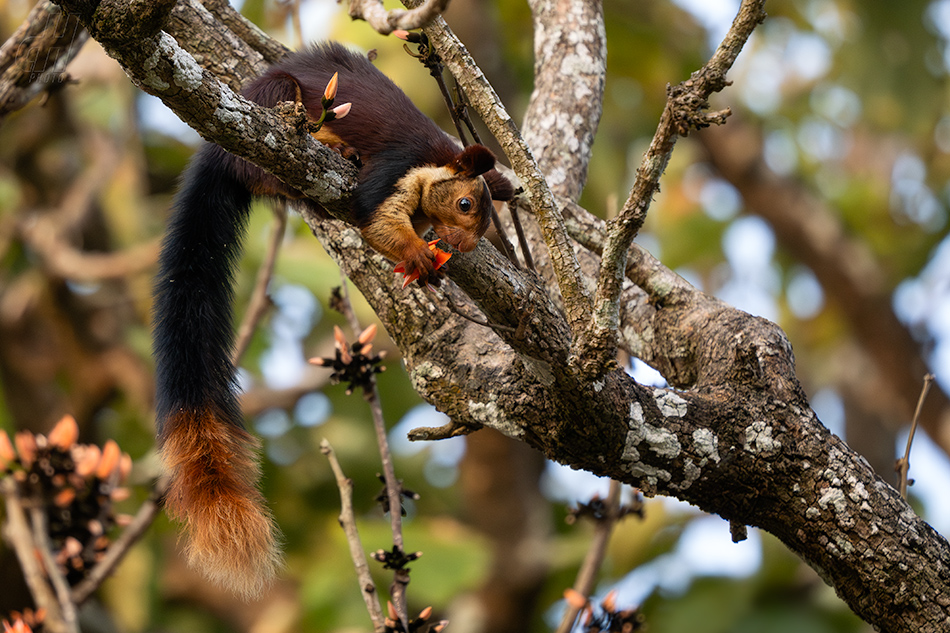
[(385, 22), (45, 550), (850, 274), (393, 485), (587, 574), (685, 109), (570, 53), (348, 522), (63, 260), (903, 464), (117, 550), (260, 302), (18, 533), (489, 107), (34, 58)]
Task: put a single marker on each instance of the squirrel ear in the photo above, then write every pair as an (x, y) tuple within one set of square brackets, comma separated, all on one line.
[(473, 161)]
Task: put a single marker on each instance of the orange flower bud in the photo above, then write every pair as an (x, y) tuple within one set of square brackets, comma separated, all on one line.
[(120, 494), (339, 337), (25, 447), (109, 461), (575, 599), (125, 466), (368, 334), (64, 497), (330, 93), (86, 457), (65, 433), (7, 452)]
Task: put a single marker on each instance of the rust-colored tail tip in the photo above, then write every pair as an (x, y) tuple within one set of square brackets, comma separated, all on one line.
[(234, 546), (231, 535)]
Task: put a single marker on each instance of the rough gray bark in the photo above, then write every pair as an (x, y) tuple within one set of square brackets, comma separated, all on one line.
[(849, 272), (735, 436), (34, 59)]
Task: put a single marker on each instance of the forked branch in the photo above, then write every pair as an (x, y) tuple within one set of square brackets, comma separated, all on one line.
[(686, 108)]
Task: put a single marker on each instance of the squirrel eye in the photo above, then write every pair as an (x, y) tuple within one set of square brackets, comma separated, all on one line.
[(465, 204)]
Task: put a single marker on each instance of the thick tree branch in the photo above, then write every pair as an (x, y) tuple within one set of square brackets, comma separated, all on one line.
[(570, 52), (157, 64), (34, 59), (742, 443), (851, 276), (385, 22)]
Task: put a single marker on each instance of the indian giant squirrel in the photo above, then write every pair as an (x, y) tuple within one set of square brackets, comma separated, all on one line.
[(413, 176)]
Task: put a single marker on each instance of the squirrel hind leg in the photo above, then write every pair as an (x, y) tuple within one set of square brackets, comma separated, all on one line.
[(231, 535)]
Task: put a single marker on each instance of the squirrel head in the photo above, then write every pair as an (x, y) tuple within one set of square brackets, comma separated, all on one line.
[(460, 205)]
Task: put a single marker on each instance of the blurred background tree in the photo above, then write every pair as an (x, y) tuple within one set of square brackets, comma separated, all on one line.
[(822, 205)]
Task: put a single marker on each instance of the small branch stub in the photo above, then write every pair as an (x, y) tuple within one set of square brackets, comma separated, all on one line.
[(385, 22)]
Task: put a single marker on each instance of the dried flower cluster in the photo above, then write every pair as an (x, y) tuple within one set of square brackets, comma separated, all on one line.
[(354, 364), (420, 624), (607, 619), (25, 622), (395, 558), (75, 484), (598, 509), (404, 493)]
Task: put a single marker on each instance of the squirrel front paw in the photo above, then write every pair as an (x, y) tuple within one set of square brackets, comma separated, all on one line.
[(423, 264)]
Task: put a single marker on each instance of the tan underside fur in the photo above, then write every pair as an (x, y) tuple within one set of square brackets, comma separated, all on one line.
[(392, 231), (424, 196)]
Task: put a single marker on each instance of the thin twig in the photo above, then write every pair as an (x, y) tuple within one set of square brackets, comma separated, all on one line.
[(587, 574), (482, 321), (400, 576), (346, 306), (903, 464), (393, 488), (522, 240), (57, 579), (260, 302), (19, 535), (117, 551), (506, 248), (459, 114), (348, 522)]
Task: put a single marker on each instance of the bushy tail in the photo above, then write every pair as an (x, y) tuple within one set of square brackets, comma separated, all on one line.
[(210, 458)]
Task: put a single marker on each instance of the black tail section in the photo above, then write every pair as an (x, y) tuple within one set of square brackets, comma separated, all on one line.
[(193, 294)]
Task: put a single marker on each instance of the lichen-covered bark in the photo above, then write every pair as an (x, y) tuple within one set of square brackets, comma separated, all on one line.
[(570, 51), (736, 436), (849, 273), (34, 58)]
